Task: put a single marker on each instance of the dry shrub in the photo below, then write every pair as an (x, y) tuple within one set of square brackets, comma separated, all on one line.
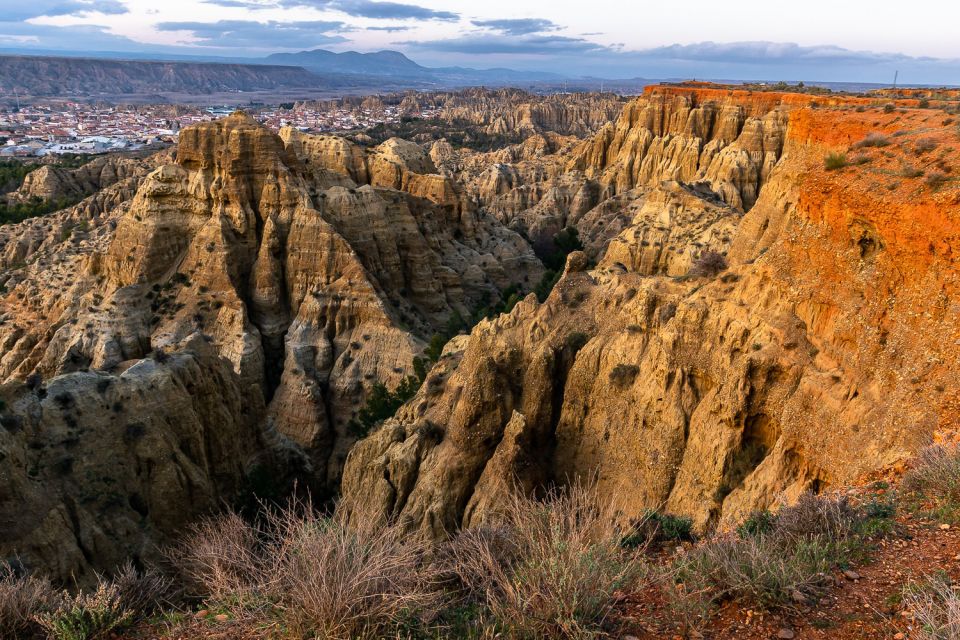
[(936, 179), (775, 561), (709, 264), (548, 568), (909, 171), (667, 312), (312, 575), (143, 593), (760, 571), (222, 560), (935, 476), (815, 516), (351, 582), (924, 145), (873, 140), (22, 599), (623, 375), (935, 605)]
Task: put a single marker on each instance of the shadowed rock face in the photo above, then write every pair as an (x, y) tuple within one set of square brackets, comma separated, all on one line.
[(100, 468), (816, 358)]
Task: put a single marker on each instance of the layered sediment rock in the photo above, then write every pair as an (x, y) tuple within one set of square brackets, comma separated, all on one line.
[(294, 272), (306, 286), (824, 353)]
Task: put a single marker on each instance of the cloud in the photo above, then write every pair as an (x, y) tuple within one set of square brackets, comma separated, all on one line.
[(518, 27), (373, 9), (499, 45), (390, 29), (771, 53), (16, 11), (260, 35), (73, 37), (389, 10)]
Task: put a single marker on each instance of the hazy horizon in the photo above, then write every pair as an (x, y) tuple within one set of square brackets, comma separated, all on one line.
[(852, 42)]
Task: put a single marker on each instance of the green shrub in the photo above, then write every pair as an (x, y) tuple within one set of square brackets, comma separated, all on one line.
[(654, 527), (87, 616), (757, 523), (834, 161), (382, 403), (565, 242), (435, 349)]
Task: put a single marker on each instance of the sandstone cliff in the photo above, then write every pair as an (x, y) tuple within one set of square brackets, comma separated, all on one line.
[(98, 468), (824, 352), (313, 288)]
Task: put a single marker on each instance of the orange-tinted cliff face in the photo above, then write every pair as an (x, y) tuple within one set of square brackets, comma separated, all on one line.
[(898, 202)]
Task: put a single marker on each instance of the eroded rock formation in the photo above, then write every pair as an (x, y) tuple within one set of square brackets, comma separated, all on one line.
[(247, 296), (308, 271), (823, 353)]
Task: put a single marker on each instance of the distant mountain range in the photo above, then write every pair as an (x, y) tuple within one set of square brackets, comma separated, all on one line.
[(150, 77), (110, 76), (395, 65)]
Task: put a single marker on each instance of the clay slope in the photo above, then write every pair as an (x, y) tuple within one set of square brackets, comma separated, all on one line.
[(303, 282), (824, 352)]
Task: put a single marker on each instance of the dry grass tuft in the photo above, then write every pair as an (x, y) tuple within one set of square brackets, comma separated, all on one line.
[(548, 568), (934, 476), (776, 561), (312, 576), (935, 604), (22, 599)]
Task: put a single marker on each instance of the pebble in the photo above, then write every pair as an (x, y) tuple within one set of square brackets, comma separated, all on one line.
[(221, 617), (786, 634), (850, 574), (944, 527), (203, 613)]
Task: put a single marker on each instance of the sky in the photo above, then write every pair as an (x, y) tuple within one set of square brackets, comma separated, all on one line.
[(838, 40)]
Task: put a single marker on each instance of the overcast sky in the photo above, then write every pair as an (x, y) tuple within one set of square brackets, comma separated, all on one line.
[(749, 39)]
